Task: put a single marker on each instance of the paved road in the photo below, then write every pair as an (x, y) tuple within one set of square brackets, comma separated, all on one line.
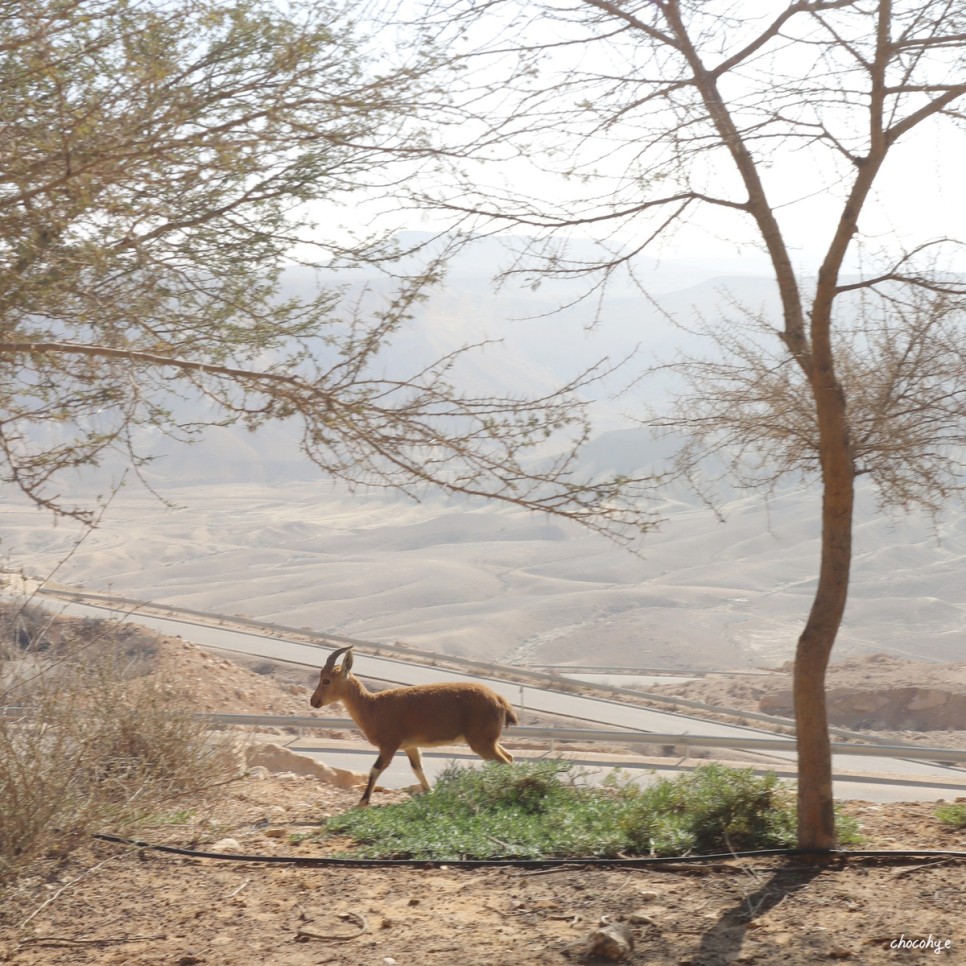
[(608, 713), (399, 775)]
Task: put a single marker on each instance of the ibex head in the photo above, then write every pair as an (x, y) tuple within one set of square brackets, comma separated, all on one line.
[(332, 679)]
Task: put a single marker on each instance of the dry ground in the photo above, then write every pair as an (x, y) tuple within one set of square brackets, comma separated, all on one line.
[(114, 905), (111, 905)]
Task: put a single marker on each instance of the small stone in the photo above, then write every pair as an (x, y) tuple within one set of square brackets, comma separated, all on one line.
[(613, 942), (227, 845)]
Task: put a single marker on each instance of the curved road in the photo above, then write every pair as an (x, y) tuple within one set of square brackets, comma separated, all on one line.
[(933, 781)]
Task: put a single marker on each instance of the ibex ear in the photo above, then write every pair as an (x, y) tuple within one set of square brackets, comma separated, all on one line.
[(347, 663)]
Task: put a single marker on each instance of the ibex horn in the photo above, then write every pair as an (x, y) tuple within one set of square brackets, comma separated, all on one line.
[(334, 656)]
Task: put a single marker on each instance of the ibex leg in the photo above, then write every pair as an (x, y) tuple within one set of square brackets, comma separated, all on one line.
[(416, 760), (382, 763)]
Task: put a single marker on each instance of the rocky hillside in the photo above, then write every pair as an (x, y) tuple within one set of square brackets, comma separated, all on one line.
[(874, 694)]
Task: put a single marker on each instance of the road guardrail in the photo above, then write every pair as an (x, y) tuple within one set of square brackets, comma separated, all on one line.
[(908, 752)]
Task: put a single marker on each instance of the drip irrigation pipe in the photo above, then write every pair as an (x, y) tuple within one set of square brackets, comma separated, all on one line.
[(640, 861)]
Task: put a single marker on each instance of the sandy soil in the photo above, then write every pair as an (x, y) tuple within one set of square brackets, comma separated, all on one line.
[(114, 905), (111, 905)]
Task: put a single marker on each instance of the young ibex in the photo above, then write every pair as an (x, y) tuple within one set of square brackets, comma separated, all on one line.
[(416, 717)]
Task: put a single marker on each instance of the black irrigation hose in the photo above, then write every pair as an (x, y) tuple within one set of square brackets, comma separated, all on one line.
[(641, 861)]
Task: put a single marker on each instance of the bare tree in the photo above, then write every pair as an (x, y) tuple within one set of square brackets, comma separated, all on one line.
[(160, 161), (648, 116), (901, 358)]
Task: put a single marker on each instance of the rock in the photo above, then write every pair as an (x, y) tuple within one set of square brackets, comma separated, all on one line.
[(781, 702), (259, 772), (613, 942), (863, 701), (926, 700), (226, 845), (276, 759), (886, 707)]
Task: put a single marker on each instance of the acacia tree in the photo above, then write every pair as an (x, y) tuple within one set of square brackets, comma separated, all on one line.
[(649, 115), (159, 163)]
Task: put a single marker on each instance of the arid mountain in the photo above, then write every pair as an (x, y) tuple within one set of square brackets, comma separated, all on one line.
[(254, 530)]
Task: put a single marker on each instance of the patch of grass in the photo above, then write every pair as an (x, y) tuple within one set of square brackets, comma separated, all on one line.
[(544, 810), (952, 815), (525, 810), (847, 829)]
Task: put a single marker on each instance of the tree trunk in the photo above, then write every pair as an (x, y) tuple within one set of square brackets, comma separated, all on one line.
[(816, 814)]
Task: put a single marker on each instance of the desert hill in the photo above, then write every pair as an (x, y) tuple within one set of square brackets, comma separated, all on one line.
[(485, 581), (250, 528)]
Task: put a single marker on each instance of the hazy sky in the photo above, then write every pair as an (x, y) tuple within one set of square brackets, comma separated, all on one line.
[(920, 194)]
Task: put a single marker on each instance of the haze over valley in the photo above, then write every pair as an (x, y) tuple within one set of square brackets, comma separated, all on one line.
[(255, 531)]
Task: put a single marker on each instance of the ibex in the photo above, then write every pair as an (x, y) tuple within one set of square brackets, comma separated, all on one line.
[(416, 717)]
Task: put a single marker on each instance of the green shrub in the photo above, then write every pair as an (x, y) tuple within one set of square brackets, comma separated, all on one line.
[(712, 809), (543, 809), (952, 814), (533, 788), (525, 810)]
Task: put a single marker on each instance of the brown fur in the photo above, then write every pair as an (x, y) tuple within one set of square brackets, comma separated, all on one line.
[(421, 716)]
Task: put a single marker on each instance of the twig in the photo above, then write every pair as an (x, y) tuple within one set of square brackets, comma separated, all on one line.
[(500, 842), (705, 869), (302, 933), (67, 885), (231, 895), (754, 907), (68, 941), (919, 868), (555, 870)]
